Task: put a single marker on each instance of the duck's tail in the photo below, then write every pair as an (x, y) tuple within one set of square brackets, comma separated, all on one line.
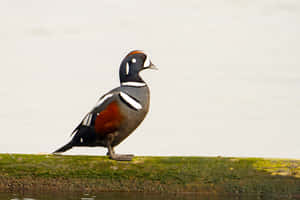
[(64, 148)]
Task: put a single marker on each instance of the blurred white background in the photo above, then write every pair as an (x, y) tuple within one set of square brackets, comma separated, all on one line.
[(228, 84)]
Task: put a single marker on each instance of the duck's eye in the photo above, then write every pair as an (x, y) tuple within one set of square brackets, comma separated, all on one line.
[(133, 60)]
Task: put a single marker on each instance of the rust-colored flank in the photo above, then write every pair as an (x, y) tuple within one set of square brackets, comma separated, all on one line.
[(108, 120)]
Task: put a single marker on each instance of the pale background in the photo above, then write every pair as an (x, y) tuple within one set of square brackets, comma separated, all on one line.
[(228, 84)]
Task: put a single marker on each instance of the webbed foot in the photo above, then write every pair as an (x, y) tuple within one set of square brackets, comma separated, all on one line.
[(121, 157), (111, 152)]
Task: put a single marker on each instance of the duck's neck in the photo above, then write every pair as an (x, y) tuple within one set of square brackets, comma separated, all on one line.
[(133, 84), (133, 79)]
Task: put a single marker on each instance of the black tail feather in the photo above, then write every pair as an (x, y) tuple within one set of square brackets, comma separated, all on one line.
[(64, 148), (82, 136)]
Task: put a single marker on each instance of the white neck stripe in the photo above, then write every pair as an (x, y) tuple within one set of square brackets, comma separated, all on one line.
[(134, 84), (131, 101)]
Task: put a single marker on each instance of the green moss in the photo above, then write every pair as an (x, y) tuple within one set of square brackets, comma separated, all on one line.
[(150, 174)]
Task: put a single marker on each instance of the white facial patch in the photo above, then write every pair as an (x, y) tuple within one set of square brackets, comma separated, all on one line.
[(133, 60), (131, 101), (127, 68), (147, 62)]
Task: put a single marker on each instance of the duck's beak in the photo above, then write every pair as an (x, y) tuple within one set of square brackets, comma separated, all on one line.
[(152, 66)]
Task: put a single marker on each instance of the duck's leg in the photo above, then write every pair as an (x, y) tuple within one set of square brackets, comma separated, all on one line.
[(111, 153), (112, 149)]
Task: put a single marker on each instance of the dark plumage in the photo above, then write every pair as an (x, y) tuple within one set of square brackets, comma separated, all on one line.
[(117, 113)]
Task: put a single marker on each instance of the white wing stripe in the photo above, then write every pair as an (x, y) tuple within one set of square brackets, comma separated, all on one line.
[(86, 120), (89, 120), (131, 101), (104, 98)]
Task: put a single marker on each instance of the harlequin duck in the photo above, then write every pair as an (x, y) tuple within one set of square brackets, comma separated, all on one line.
[(117, 113)]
